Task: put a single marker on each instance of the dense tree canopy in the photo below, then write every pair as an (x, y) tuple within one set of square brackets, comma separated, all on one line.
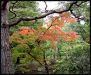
[(62, 47)]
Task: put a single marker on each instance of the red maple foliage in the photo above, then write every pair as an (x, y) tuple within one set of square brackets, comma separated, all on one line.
[(54, 31), (26, 31)]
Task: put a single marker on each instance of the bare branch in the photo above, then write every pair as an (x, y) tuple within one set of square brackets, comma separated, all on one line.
[(12, 10), (46, 6), (72, 5), (80, 3)]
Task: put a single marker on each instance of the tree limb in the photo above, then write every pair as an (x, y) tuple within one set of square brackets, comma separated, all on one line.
[(12, 10), (43, 16), (35, 58), (78, 17), (34, 18), (46, 6)]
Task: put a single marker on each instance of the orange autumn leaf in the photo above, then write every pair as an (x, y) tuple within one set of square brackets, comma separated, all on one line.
[(61, 23), (70, 36), (49, 35), (56, 21), (69, 19), (26, 31), (20, 41), (65, 14)]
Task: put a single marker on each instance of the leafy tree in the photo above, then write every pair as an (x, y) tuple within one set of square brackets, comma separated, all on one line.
[(36, 40), (28, 41)]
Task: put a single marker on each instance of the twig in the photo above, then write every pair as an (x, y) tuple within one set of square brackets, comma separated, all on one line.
[(12, 10), (35, 58), (46, 6)]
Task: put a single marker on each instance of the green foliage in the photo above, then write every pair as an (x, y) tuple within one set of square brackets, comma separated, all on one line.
[(21, 48), (75, 58), (83, 30), (67, 58), (24, 9)]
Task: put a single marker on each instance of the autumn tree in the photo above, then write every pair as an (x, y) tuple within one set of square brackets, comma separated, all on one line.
[(6, 62)]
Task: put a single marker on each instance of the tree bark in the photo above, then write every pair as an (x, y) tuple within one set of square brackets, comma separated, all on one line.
[(6, 61)]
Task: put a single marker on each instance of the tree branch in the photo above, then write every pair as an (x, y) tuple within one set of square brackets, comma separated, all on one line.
[(46, 6), (80, 3), (35, 59), (42, 16), (78, 17), (12, 10), (34, 18), (72, 5), (51, 24)]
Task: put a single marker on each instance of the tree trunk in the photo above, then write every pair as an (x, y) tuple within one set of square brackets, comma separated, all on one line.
[(6, 61)]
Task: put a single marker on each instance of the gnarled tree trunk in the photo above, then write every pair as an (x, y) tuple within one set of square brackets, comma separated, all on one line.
[(6, 62)]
